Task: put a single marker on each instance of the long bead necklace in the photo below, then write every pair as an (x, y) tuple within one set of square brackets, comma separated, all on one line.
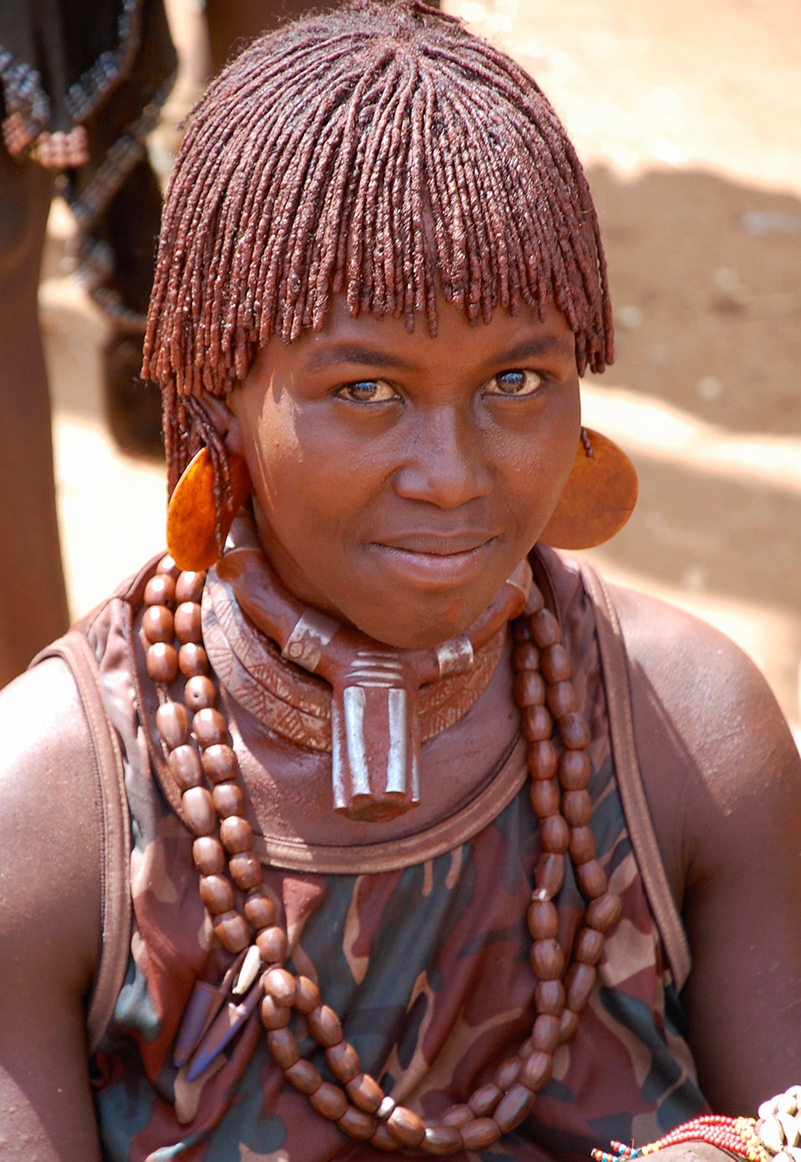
[(204, 768)]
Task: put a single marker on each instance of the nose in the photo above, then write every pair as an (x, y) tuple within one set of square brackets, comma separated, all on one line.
[(445, 462)]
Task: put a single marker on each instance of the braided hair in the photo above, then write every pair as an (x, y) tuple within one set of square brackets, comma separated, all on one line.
[(380, 151)]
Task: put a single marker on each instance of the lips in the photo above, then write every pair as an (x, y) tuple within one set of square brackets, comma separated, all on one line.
[(437, 544), (431, 561)]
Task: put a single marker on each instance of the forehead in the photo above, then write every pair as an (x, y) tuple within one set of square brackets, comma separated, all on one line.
[(385, 342)]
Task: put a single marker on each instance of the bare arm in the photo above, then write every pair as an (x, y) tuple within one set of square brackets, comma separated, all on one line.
[(49, 919), (723, 780)]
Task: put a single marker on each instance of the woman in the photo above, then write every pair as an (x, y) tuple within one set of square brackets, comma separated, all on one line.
[(435, 846)]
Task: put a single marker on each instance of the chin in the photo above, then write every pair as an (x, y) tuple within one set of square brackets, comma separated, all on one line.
[(429, 628)]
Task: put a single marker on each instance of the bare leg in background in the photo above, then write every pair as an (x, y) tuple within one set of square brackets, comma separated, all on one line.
[(33, 599)]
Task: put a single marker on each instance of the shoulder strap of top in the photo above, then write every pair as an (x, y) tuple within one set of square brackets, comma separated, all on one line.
[(115, 834), (614, 664)]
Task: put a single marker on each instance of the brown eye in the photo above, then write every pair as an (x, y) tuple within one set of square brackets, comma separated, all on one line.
[(367, 391), (515, 382)]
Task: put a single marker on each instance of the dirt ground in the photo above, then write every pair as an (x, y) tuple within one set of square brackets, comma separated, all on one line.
[(687, 114)]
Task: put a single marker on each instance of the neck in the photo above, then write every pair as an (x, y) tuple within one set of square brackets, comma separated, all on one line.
[(375, 723)]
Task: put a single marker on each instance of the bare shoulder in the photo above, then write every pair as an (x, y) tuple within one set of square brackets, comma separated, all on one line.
[(49, 916), (722, 777), (49, 841), (695, 692)]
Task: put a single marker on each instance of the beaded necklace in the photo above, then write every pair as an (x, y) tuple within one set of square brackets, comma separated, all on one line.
[(204, 768)]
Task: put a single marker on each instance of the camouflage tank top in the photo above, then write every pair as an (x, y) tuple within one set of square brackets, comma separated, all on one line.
[(425, 963)]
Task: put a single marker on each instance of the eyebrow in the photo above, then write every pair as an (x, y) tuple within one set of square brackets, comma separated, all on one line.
[(542, 345), (378, 357), (356, 353)]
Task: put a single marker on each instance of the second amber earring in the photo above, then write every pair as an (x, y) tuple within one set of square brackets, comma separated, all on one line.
[(599, 496)]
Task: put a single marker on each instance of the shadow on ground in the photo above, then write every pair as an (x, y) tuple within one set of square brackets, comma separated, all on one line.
[(706, 285)]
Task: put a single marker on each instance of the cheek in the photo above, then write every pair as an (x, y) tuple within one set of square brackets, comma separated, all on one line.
[(536, 475)]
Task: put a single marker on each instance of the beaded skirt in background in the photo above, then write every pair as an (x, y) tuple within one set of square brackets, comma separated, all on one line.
[(81, 86)]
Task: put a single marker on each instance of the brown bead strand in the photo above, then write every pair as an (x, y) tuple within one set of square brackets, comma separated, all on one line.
[(560, 800), (199, 748)]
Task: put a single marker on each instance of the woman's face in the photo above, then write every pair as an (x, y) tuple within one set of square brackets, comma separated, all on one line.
[(399, 479)]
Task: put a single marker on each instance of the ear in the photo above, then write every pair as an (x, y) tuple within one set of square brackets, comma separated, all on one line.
[(224, 420)]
